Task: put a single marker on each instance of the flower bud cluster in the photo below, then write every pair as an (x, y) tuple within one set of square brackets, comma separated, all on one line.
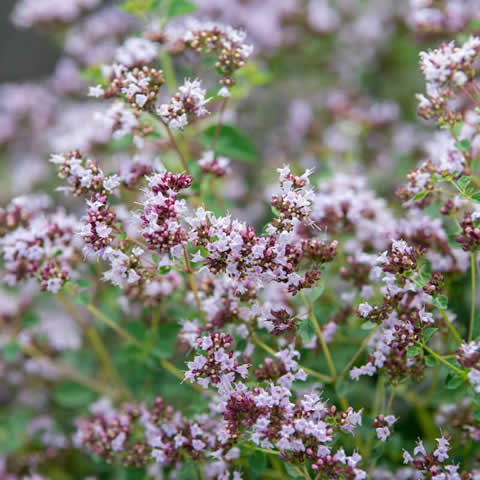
[(225, 42), (138, 85), (434, 17), (215, 165), (446, 70), (162, 213), (136, 52), (383, 426), (186, 105), (217, 365), (401, 259), (234, 248), (44, 247), (433, 464), (28, 13), (83, 175), (469, 237)]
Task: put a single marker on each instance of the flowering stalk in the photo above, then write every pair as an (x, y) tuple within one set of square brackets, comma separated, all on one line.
[(473, 267)]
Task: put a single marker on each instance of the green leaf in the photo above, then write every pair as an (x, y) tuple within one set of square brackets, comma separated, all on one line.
[(476, 197), (452, 243), (30, 319), (71, 395), (139, 7), (464, 182), (317, 291), (413, 351), (188, 471), (230, 143), (176, 8), (343, 388), (258, 463), (457, 129), (94, 76), (13, 430), (476, 415), (428, 333), (430, 361), (440, 301), (291, 472), (82, 298), (139, 331), (454, 381), (368, 325), (378, 450), (306, 330), (11, 351), (420, 196), (164, 343), (275, 211), (83, 283), (463, 145)]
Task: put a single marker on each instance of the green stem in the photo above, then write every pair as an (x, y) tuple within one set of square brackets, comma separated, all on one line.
[(390, 399), (452, 329), (168, 72), (305, 473), (441, 359), (71, 374), (449, 324), (474, 296), (176, 147), (167, 365), (193, 285), (309, 371), (363, 346), (95, 341), (319, 333), (114, 326)]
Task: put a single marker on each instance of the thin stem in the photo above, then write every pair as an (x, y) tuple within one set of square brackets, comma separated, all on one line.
[(441, 359), (469, 95), (167, 365), (193, 284), (219, 124), (452, 329), (103, 355), (306, 474), (265, 347), (114, 326), (68, 372), (363, 346), (309, 371), (390, 399), (176, 146), (95, 341), (320, 376), (474, 296), (319, 333), (449, 324), (168, 72)]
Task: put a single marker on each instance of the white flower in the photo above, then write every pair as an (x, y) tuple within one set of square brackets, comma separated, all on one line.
[(364, 309), (97, 91)]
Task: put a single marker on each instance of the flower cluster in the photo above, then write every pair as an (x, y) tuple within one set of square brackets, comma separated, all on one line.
[(187, 104), (194, 315), (162, 211), (227, 44), (139, 85), (446, 69), (434, 464), (44, 247)]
